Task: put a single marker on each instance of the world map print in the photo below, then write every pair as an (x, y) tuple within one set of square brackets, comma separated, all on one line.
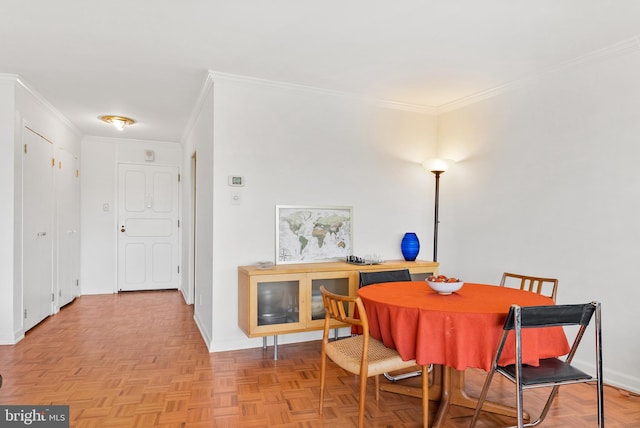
[(309, 234)]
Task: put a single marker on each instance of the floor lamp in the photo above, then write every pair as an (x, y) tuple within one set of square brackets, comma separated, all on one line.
[(437, 167)]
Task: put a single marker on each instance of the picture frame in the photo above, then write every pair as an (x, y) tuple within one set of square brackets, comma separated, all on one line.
[(310, 234)]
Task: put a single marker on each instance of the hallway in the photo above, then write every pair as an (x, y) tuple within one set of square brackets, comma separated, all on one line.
[(126, 360)]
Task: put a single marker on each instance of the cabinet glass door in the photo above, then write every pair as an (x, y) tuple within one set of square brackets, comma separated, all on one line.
[(278, 302), (334, 285)]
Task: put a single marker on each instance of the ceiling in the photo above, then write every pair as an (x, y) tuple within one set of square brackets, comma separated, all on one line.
[(149, 59)]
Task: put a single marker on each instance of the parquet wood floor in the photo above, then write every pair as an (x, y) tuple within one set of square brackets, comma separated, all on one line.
[(137, 359)]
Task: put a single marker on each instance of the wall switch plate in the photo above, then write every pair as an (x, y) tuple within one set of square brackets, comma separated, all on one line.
[(105, 207), (236, 198)]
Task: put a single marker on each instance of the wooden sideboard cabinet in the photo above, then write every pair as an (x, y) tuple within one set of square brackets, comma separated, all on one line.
[(286, 298)]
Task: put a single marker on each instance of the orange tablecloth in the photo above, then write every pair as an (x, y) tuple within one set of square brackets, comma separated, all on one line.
[(460, 330)]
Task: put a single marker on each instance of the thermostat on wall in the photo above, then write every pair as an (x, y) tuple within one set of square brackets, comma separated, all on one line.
[(236, 180)]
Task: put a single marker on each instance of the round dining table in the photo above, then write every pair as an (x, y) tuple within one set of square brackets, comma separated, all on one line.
[(456, 331)]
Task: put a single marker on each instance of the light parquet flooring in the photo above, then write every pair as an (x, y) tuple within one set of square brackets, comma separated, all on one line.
[(137, 359)]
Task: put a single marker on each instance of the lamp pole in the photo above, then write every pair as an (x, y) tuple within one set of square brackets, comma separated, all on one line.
[(435, 216), (437, 166)]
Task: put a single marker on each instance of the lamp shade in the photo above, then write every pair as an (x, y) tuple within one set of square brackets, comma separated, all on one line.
[(437, 164)]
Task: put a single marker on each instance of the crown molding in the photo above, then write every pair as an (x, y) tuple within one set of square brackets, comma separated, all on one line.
[(9, 77), (254, 81), (130, 141), (42, 100), (478, 96), (624, 47), (206, 87), (413, 108)]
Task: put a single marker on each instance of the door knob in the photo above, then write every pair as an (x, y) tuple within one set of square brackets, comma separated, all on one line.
[(122, 229)]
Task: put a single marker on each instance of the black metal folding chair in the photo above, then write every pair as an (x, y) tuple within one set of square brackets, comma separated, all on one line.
[(367, 278), (552, 372)]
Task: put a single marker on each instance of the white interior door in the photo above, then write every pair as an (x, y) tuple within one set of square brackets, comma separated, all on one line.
[(37, 228), (148, 239), (68, 225)]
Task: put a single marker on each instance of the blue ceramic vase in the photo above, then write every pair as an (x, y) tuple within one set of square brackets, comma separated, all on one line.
[(410, 246)]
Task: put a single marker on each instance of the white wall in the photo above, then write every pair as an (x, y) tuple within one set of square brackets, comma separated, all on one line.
[(548, 185), (21, 105), (298, 146), (7, 234), (199, 139), (98, 186)]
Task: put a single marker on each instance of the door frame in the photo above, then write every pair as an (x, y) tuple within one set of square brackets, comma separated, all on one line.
[(191, 298), (116, 219)]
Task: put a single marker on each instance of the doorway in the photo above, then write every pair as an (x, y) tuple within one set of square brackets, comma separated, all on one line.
[(148, 227)]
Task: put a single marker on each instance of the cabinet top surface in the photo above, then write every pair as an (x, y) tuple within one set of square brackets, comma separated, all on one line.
[(334, 266)]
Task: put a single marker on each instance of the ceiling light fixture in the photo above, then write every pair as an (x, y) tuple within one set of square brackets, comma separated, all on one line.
[(118, 121)]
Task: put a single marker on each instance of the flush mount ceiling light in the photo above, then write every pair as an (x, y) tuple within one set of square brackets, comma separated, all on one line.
[(118, 121)]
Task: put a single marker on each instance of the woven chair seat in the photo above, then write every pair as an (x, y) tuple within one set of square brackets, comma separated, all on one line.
[(347, 354)]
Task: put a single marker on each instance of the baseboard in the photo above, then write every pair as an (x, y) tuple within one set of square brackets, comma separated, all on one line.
[(203, 332), (612, 377), (12, 340)]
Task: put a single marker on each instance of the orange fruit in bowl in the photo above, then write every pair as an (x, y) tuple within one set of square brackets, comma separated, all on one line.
[(442, 278)]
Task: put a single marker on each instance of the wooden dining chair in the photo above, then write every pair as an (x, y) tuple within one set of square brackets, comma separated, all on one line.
[(535, 284), (382, 276), (361, 355), (551, 372)]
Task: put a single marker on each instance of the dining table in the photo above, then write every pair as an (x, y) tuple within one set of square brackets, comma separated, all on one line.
[(454, 332)]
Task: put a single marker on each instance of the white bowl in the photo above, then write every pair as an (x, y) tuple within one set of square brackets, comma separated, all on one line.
[(445, 288)]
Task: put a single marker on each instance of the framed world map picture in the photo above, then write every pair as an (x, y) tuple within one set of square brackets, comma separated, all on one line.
[(306, 234)]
